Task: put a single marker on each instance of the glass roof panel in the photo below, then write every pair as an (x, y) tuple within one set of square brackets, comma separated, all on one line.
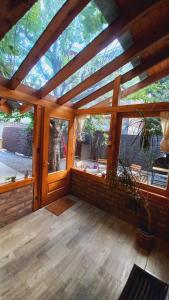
[(17, 43), (98, 100), (105, 81), (82, 30), (134, 81), (109, 53), (156, 92)]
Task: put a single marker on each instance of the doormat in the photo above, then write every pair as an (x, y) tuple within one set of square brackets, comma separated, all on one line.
[(143, 286), (59, 206)]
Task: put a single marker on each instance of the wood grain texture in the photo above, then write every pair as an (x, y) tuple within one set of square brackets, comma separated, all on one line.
[(58, 24), (82, 254), (11, 11), (126, 19), (147, 61)]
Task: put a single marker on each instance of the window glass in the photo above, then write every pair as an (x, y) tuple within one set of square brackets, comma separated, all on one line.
[(16, 136), (17, 43), (58, 139), (91, 144), (140, 150)]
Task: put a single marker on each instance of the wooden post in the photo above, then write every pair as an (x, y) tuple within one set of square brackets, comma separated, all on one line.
[(37, 155), (116, 91), (115, 128)]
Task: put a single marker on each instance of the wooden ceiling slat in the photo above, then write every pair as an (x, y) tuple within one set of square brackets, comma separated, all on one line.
[(117, 63), (58, 24), (99, 43), (145, 64), (11, 11), (145, 82)]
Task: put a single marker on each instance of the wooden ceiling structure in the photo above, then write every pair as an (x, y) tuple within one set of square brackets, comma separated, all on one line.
[(147, 22)]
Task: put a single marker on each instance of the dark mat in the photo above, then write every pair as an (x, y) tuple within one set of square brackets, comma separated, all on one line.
[(143, 286), (59, 206)]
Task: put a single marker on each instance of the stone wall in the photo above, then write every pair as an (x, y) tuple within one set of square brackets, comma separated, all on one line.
[(99, 194), (17, 139), (15, 204)]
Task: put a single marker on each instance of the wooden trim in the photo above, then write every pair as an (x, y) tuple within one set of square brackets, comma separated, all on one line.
[(45, 143), (36, 166), (114, 65), (58, 24), (6, 187), (143, 67), (99, 43)]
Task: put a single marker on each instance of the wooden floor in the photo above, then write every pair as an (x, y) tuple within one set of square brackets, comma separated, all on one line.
[(82, 254)]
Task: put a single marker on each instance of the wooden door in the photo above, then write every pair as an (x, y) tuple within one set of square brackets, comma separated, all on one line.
[(57, 155)]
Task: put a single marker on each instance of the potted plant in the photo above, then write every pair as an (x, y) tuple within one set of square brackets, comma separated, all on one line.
[(137, 201)]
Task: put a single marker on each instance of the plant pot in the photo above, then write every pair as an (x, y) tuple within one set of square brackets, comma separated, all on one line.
[(145, 239)]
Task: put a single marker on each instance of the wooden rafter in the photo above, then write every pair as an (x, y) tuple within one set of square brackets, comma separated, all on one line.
[(99, 43), (120, 61), (145, 64), (58, 24), (11, 11), (151, 79)]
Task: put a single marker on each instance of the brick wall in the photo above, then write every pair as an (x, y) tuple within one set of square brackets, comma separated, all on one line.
[(15, 204), (99, 194)]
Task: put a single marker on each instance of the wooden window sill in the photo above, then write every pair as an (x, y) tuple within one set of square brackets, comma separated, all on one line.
[(5, 187)]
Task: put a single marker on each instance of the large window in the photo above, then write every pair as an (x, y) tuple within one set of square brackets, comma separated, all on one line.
[(91, 144), (16, 136), (58, 139), (140, 150)]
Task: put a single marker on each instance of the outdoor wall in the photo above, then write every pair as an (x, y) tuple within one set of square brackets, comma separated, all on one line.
[(99, 194), (17, 139), (137, 156), (15, 204), (128, 142)]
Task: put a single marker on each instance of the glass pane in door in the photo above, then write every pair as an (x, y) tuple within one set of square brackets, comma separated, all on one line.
[(58, 139)]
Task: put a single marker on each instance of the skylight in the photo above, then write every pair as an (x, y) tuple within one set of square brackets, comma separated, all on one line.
[(17, 43), (109, 53), (98, 100), (81, 31)]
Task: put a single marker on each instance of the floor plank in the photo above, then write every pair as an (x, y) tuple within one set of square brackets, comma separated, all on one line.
[(82, 254)]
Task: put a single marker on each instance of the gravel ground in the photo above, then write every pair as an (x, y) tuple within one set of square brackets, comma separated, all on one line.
[(16, 162)]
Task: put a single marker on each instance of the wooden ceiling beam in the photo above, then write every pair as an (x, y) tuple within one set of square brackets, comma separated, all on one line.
[(114, 31), (10, 13), (121, 60), (142, 67), (58, 24), (147, 107), (149, 80), (24, 97)]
